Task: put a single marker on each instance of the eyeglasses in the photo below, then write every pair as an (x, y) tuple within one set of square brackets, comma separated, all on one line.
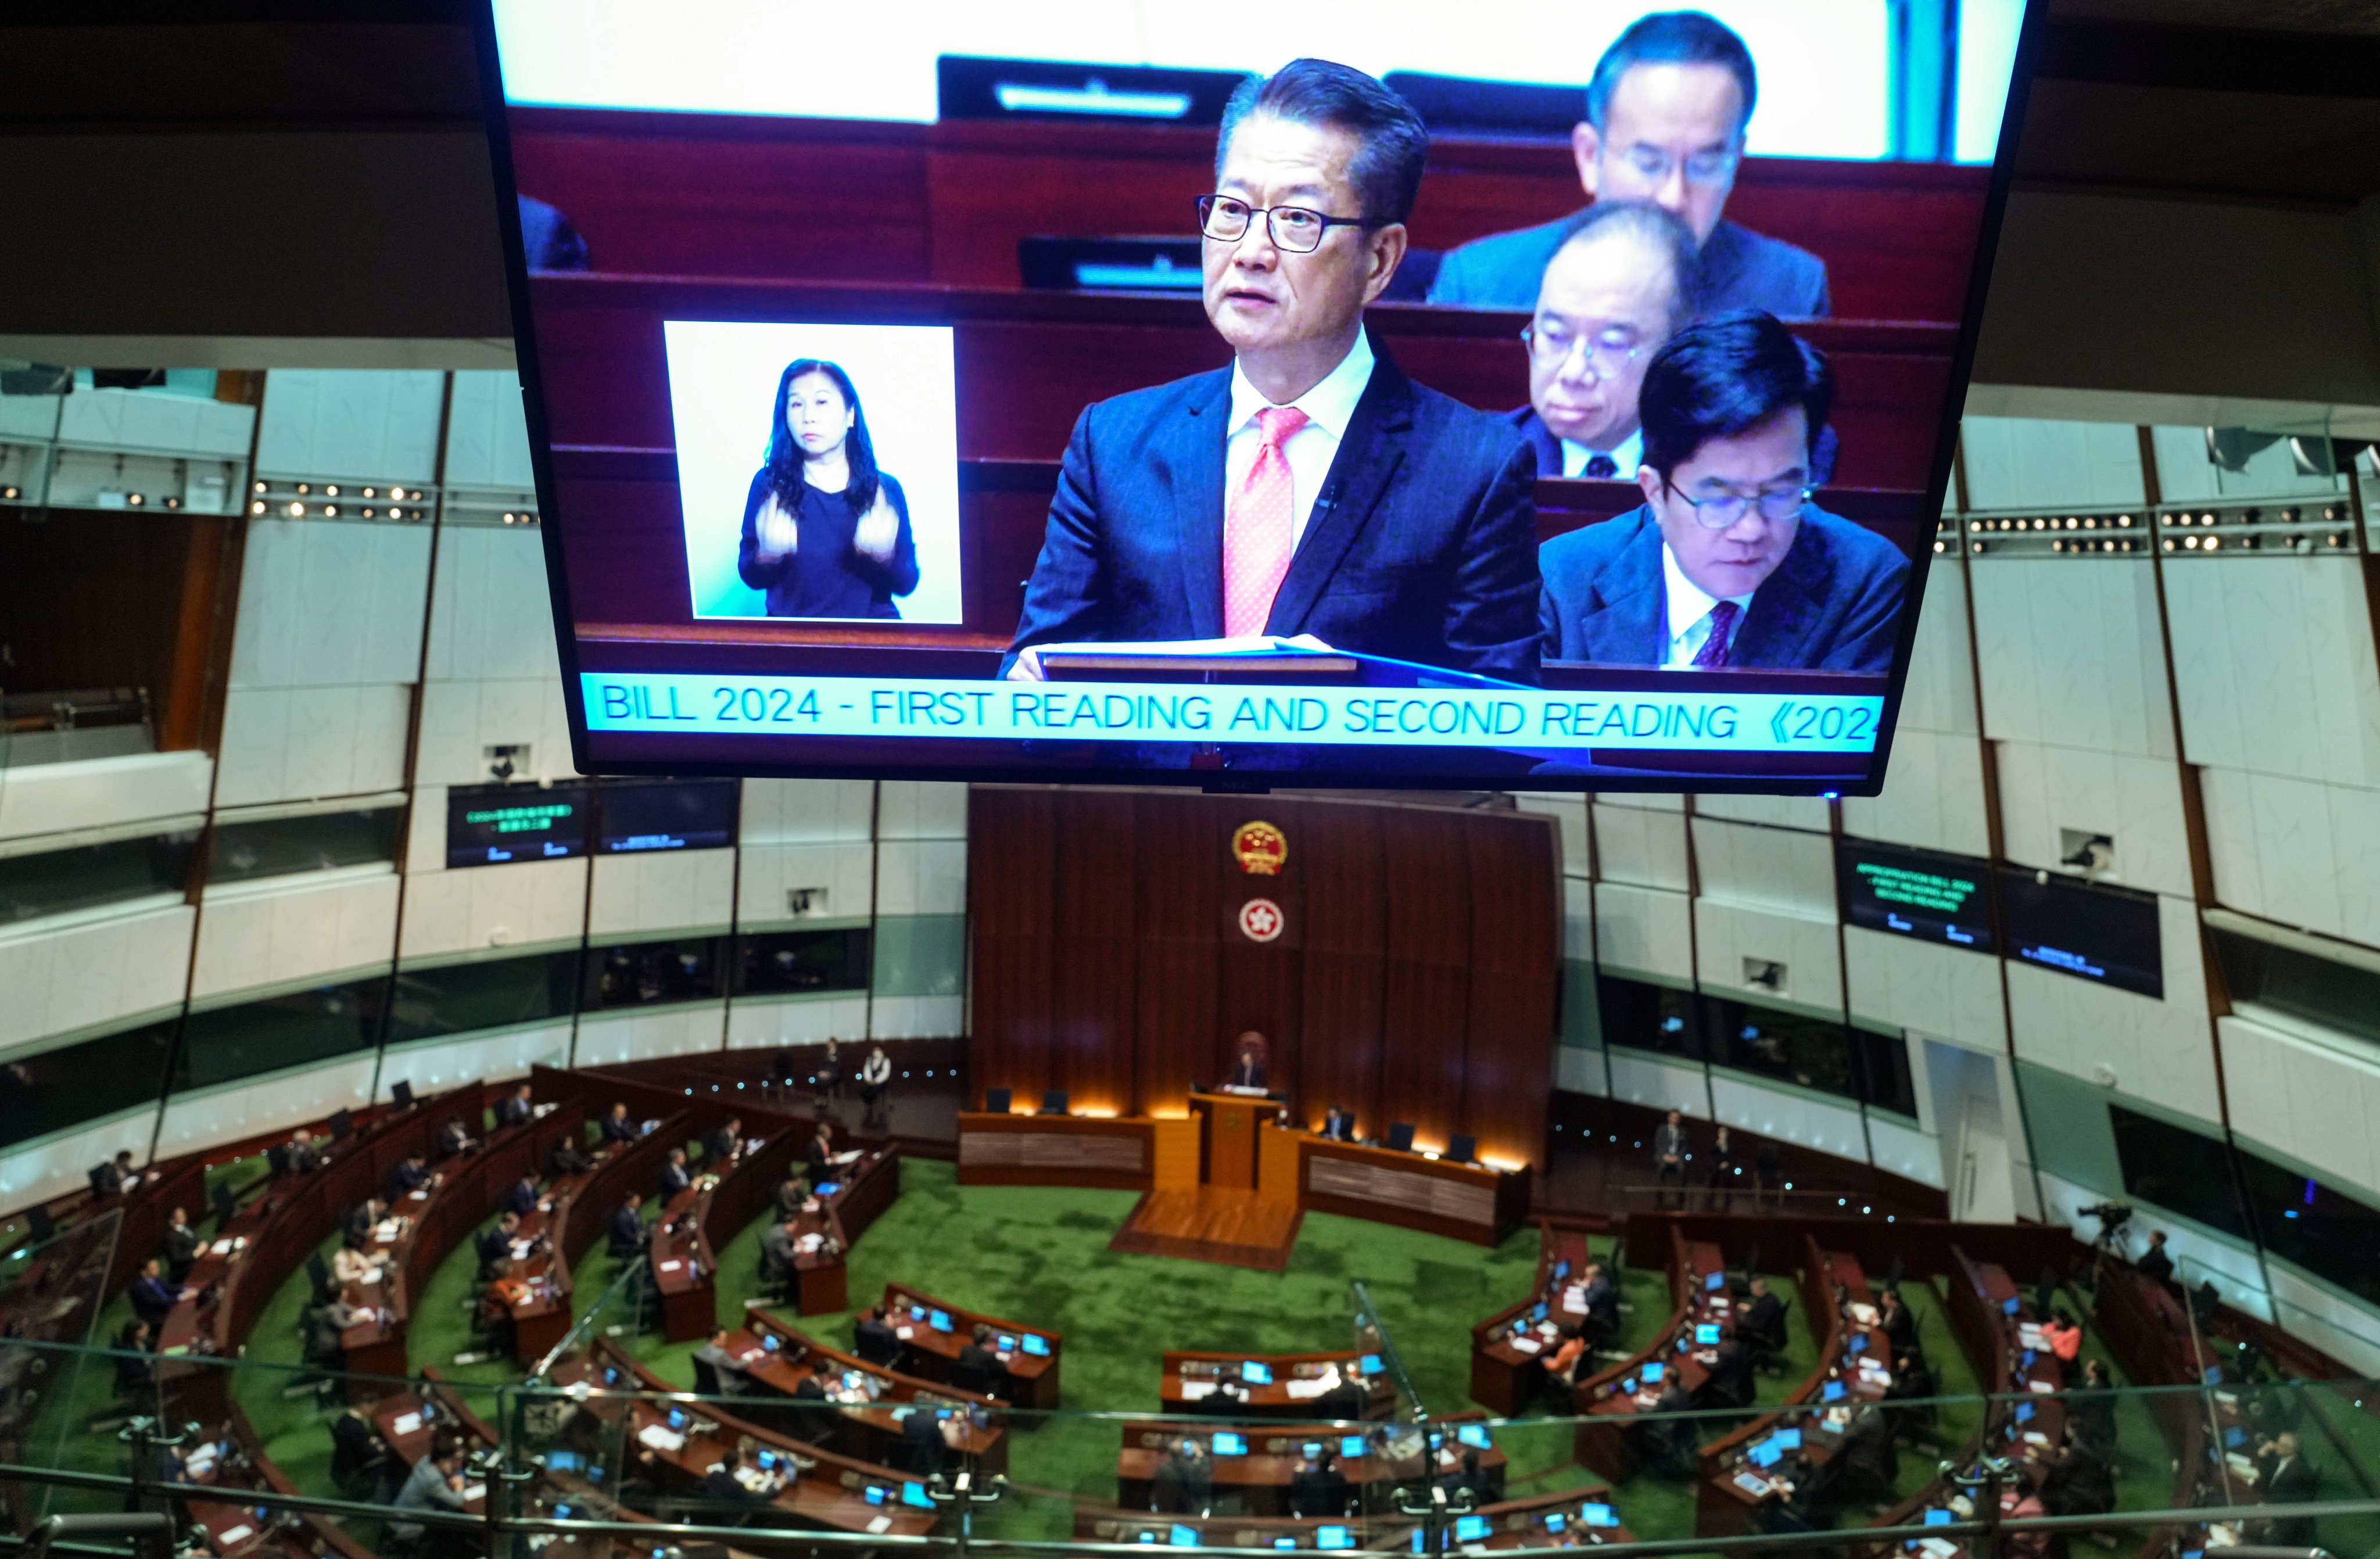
[(1776, 504), (1704, 169), (1552, 341), (1293, 229)]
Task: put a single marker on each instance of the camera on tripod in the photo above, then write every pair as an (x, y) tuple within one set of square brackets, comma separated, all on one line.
[(2112, 1215)]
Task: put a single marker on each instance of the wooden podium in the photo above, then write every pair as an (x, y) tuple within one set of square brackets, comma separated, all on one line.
[(1228, 1136)]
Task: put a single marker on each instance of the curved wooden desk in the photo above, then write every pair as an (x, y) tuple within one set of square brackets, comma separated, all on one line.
[(1609, 1400), (862, 1396), (934, 1350), (706, 1215), (1508, 1348), (1290, 1384), (827, 1490), (1260, 1477)]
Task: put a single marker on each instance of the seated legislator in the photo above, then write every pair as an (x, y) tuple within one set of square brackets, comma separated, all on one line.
[(826, 534), (1665, 115), (1727, 563), (1618, 287), (617, 1126), (1338, 1125), (1310, 488), (674, 1176), (626, 1229), (518, 1110)]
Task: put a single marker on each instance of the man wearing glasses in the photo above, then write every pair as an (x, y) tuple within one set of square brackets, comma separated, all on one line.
[(1727, 563), (1617, 289), (1310, 488), (1665, 121)]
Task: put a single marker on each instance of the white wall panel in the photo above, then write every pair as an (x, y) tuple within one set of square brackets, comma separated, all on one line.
[(1644, 930), (2070, 652), (298, 929), (1578, 919), (1569, 813), (49, 1167), (1639, 1079), (922, 809), (2275, 671), (1791, 1117), (368, 424), (1905, 984), (518, 905), (2313, 1102), (435, 1066), (916, 1017), (102, 792), (272, 1104), (2159, 1051), (781, 811), (1898, 1148), (2297, 851), (61, 980), (293, 744), (1808, 813), (1778, 869), (487, 433), (609, 1038), (1641, 845), (2186, 474), (764, 1024), (769, 871), (2020, 463), (326, 603), (1725, 934), (489, 616), (921, 877), (164, 424), (2136, 801), (461, 720), (1932, 795), (665, 891), (1939, 694), (1580, 1070)]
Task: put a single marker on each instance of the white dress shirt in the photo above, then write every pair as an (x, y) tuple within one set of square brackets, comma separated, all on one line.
[(1688, 625), (1329, 407), (1628, 455)]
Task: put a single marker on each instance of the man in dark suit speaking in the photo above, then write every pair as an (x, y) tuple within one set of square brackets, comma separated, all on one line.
[(1666, 112), (1727, 563), (1310, 488)]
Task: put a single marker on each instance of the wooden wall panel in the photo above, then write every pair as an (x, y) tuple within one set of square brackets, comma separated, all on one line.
[(1094, 953), (1012, 913), (1427, 1000), (1346, 928), (1416, 981), (1260, 981), (1515, 958)]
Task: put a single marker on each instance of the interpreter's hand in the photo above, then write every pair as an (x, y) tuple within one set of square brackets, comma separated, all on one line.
[(774, 534), (879, 530)]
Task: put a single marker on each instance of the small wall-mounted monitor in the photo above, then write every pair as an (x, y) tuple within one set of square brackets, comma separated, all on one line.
[(1226, 1443)]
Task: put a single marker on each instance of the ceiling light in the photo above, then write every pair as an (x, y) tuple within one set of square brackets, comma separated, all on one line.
[(298, 510), (257, 507), (332, 490), (305, 487)]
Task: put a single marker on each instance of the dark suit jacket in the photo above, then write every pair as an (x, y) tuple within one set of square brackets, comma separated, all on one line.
[(1250, 1074), (2296, 1483), (1340, 1130), (628, 1230), (674, 1180), (876, 1342), (1833, 604), (521, 1199), (619, 1130), (1764, 1320), (1418, 546), (513, 1112), (153, 1300), (720, 1144), (1741, 269), (1541, 440)]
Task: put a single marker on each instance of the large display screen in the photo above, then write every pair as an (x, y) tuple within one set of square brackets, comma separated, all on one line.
[(2088, 930), (1547, 392), (1916, 893), (666, 815)]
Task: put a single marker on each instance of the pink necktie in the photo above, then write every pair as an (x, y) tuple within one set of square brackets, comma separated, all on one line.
[(1256, 530), (1714, 650)]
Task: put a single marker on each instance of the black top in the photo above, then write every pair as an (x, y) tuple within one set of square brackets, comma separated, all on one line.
[(619, 1130), (2154, 1263), (825, 575)]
